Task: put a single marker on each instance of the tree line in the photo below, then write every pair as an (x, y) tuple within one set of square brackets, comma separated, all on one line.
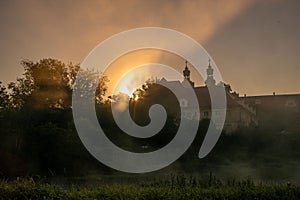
[(38, 136), (37, 132)]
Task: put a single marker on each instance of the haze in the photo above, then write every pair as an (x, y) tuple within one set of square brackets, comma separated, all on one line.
[(255, 44)]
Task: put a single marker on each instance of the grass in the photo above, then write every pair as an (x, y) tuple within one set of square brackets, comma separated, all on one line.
[(176, 187)]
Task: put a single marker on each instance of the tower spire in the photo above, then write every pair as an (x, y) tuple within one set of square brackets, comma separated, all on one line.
[(187, 73), (210, 75)]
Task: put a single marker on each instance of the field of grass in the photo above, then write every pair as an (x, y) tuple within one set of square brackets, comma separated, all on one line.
[(174, 188)]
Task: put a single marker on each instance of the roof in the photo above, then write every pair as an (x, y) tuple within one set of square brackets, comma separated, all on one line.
[(204, 97), (204, 100), (271, 99)]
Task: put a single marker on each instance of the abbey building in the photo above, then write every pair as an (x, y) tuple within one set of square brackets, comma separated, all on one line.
[(269, 112)]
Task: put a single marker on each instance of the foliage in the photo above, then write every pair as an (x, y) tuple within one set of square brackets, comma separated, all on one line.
[(4, 98), (36, 130), (91, 85), (164, 189), (20, 92), (38, 136), (49, 83)]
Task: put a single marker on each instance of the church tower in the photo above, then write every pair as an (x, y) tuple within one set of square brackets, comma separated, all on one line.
[(186, 74), (210, 81)]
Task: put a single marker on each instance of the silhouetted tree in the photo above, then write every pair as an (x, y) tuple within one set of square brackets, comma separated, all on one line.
[(4, 98), (50, 81), (86, 83), (19, 92), (37, 125)]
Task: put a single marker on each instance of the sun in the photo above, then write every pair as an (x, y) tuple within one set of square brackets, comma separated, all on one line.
[(125, 85), (136, 98), (131, 81), (125, 90)]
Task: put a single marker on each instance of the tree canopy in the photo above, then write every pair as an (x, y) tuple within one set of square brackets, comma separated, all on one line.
[(47, 83)]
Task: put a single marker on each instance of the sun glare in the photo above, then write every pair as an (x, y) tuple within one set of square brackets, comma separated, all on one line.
[(136, 97), (125, 90), (133, 79), (125, 85)]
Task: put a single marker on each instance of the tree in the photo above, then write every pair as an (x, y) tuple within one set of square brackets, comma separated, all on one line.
[(86, 83), (49, 83), (52, 83), (19, 92), (4, 98), (37, 125)]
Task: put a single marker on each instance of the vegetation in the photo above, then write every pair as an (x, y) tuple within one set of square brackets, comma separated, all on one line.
[(39, 145), (174, 188)]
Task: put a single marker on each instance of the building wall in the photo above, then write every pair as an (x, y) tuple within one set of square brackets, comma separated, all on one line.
[(277, 112)]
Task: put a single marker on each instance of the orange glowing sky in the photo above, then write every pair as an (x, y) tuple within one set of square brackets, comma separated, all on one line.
[(254, 43)]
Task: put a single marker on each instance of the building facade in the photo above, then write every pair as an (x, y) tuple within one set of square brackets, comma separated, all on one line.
[(245, 111)]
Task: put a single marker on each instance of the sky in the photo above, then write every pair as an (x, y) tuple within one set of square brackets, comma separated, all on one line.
[(254, 43)]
